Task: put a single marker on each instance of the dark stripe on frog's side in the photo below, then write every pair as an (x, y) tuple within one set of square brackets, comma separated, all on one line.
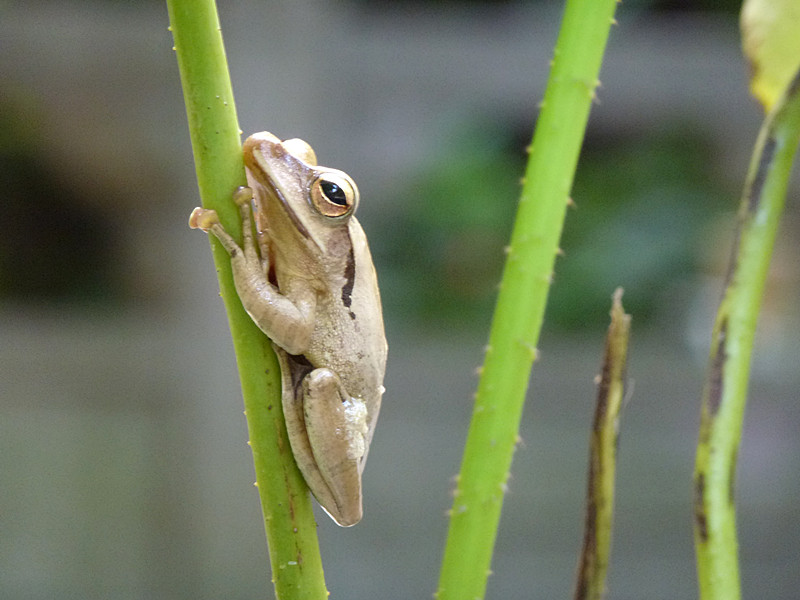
[(349, 280), (299, 367)]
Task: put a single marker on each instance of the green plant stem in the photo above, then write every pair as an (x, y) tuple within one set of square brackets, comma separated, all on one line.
[(523, 292), (288, 517), (725, 390), (596, 550)]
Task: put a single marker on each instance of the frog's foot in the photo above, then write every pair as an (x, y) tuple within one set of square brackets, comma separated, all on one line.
[(243, 198), (202, 218), (208, 221)]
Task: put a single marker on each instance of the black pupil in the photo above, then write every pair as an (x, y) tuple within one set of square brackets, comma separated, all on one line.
[(334, 193)]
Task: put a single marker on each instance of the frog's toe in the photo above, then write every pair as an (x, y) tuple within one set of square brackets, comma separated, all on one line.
[(204, 219), (243, 195)]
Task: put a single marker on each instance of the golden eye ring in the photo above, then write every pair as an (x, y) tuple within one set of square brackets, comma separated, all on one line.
[(333, 195)]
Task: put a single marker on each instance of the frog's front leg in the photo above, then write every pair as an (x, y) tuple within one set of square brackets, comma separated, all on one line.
[(289, 322), (335, 426)]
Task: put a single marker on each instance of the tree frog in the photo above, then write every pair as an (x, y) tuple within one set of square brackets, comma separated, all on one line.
[(306, 278)]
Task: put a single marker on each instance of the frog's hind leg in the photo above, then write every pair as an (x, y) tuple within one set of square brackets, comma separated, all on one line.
[(336, 425), (327, 432)]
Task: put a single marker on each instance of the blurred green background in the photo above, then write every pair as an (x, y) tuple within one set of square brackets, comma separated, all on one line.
[(124, 471)]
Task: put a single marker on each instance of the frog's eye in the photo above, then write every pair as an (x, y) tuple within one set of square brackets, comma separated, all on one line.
[(334, 195)]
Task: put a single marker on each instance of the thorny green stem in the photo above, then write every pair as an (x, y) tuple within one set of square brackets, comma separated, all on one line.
[(214, 129), (492, 436)]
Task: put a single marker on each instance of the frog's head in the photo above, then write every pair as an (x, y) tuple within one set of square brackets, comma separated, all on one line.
[(299, 196)]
